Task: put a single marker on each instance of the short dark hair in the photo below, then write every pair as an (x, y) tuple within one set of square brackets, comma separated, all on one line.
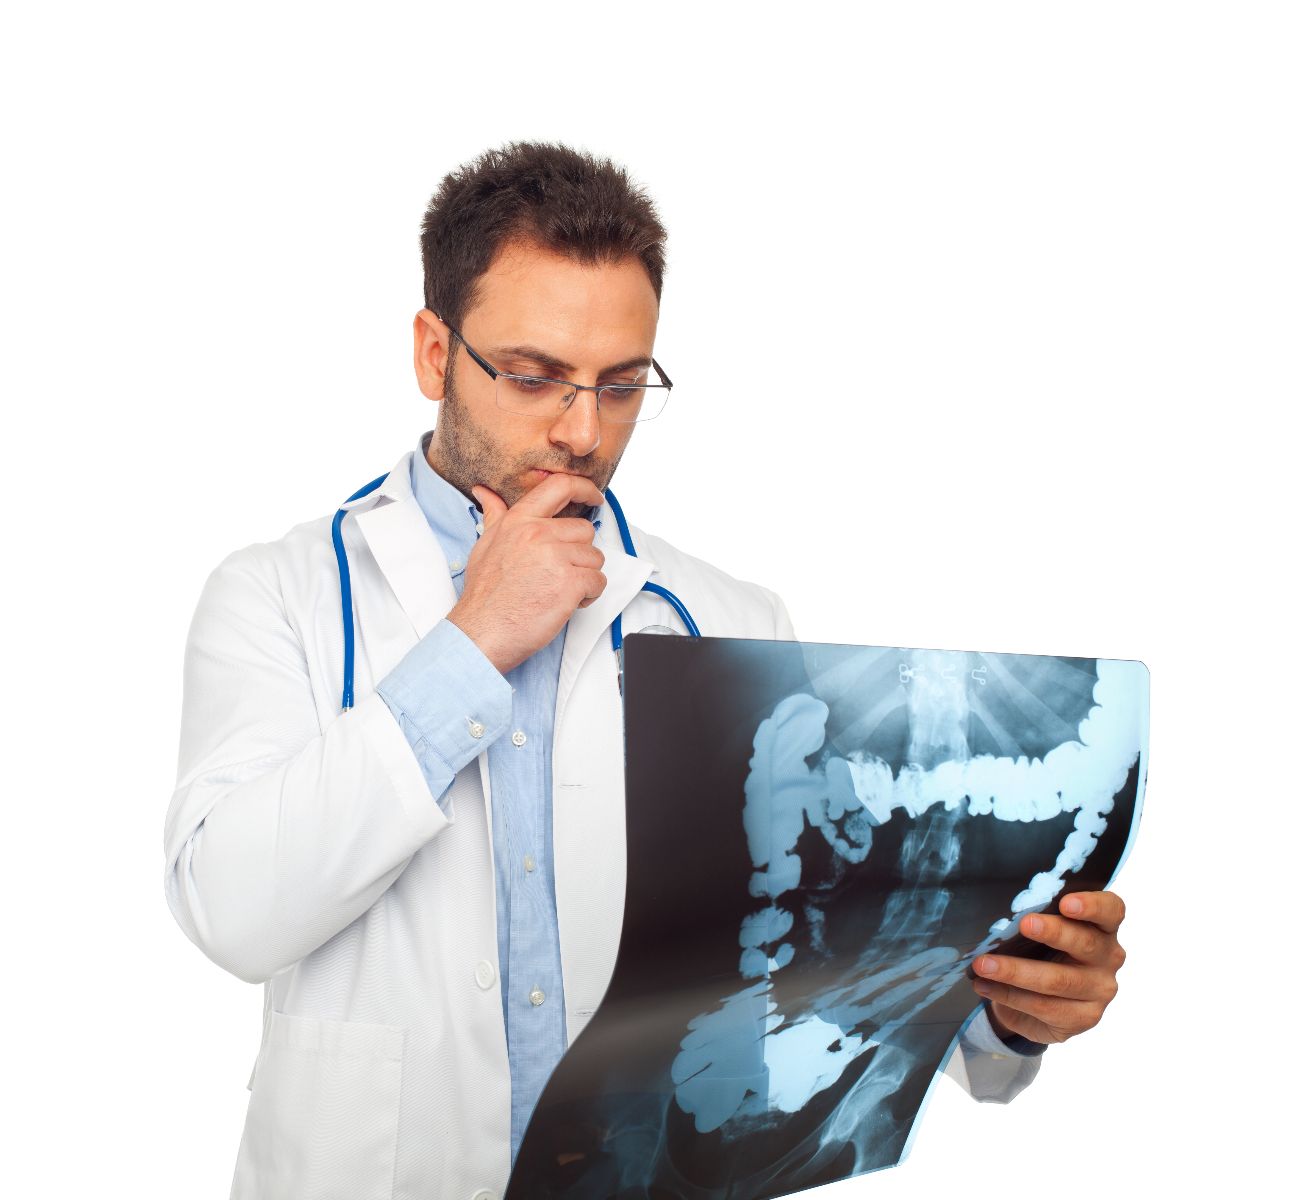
[(542, 192)]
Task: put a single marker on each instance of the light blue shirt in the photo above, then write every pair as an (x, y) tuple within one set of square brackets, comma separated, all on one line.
[(441, 693)]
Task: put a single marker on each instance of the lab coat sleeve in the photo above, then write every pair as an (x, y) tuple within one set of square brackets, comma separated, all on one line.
[(990, 1070), (784, 626), (438, 721), (280, 832)]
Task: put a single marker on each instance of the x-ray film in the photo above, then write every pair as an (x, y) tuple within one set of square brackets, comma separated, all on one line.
[(821, 839)]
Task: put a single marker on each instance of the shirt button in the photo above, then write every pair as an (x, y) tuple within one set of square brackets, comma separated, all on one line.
[(485, 975), (481, 527), (537, 997), (475, 728), (456, 566), (529, 863), (519, 738)]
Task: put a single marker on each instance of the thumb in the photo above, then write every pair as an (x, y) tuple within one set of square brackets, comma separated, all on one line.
[(492, 505)]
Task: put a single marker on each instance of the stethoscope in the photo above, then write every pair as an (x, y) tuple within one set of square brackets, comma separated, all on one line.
[(347, 597)]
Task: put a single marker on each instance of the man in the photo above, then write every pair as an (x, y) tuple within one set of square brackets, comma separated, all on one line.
[(429, 883)]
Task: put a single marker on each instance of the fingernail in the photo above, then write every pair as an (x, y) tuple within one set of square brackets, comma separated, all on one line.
[(988, 965), (1036, 926), (985, 989), (1073, 905)]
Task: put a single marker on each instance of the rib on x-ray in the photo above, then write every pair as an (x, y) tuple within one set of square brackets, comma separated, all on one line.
[(821, 839)]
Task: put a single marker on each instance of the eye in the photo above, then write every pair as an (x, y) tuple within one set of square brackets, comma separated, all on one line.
[(531, 387)]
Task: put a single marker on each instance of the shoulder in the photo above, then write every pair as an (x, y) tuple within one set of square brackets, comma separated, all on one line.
[(277, 572), (732, 607)]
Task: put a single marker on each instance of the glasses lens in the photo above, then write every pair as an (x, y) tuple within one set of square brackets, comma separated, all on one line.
[(618, 403), (532, 397), (624, 404)]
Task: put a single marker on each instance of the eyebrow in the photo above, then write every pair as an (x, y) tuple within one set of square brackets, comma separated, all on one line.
[(551, 363)]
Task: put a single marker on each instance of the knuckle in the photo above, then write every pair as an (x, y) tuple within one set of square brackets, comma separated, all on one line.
[(1118, 957), (1061, 982)]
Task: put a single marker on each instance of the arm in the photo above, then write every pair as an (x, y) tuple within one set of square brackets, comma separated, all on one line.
[(281, 833), (990, 1068), (1049, 1000), (434, 720)]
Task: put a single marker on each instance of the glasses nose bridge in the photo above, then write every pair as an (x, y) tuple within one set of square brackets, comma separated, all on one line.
[(597, 388)]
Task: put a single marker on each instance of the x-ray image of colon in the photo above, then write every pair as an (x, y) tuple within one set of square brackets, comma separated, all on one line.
[(820, 840)]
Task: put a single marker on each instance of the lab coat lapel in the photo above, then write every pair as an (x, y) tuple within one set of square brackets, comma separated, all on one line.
[(414, 565), (626, 576), (589, 810), (407, 551)]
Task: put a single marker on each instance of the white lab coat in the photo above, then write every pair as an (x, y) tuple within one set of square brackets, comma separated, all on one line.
[(304, 850)]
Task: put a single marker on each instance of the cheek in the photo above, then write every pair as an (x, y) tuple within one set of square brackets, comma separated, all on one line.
[(614, 440)]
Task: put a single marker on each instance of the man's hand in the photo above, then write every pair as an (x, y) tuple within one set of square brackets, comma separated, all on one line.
[(1050, 1001), (530, 571)]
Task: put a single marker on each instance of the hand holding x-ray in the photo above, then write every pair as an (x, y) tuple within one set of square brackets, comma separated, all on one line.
[(1055, 999)]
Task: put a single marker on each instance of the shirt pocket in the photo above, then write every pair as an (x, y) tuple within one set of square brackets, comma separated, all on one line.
[(323, 1116)]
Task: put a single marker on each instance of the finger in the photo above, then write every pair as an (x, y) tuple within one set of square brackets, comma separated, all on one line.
[(585, 556), (1082, 941), (571, 529), (595, 582), (1104, 909), (1055, 1011), (1069, 980), (1022, 1023), (555, 493), (492, 505)]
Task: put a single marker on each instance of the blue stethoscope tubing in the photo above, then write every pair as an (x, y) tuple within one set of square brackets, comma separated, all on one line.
[(347, 596)]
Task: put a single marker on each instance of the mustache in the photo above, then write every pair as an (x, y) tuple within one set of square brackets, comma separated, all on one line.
[(589, 468)]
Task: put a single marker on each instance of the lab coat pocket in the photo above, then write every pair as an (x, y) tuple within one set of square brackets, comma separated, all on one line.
[(324, 1112)]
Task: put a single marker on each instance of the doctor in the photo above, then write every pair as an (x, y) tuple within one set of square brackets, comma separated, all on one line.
[(428, 880)]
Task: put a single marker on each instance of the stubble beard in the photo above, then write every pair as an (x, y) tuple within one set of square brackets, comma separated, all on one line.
[(464, 454)]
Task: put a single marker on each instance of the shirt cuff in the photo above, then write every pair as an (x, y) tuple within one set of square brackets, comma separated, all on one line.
[(450, 701), (980, 1034)]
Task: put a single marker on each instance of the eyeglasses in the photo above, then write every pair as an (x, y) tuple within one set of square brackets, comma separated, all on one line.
[(538, 396)]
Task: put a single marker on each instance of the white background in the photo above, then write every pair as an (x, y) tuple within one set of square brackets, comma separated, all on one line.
[(986, 322)]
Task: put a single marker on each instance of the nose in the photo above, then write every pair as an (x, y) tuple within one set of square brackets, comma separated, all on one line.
[(577, 426)]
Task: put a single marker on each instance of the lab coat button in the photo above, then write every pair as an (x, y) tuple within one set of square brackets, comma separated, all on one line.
[(485, 974), (519, 738), (537, 997), (475, 728), (484, 1194)]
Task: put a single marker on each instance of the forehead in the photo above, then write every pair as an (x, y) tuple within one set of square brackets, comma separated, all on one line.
[(531, 294)]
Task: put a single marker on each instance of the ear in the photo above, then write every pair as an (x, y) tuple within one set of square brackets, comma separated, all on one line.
[(430, 353)]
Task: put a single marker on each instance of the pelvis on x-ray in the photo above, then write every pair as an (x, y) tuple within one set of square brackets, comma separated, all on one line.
[(820, 840)]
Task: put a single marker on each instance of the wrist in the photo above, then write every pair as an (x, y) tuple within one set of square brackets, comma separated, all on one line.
[(480, 637), (1010, 1038), (1000, 1030)]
